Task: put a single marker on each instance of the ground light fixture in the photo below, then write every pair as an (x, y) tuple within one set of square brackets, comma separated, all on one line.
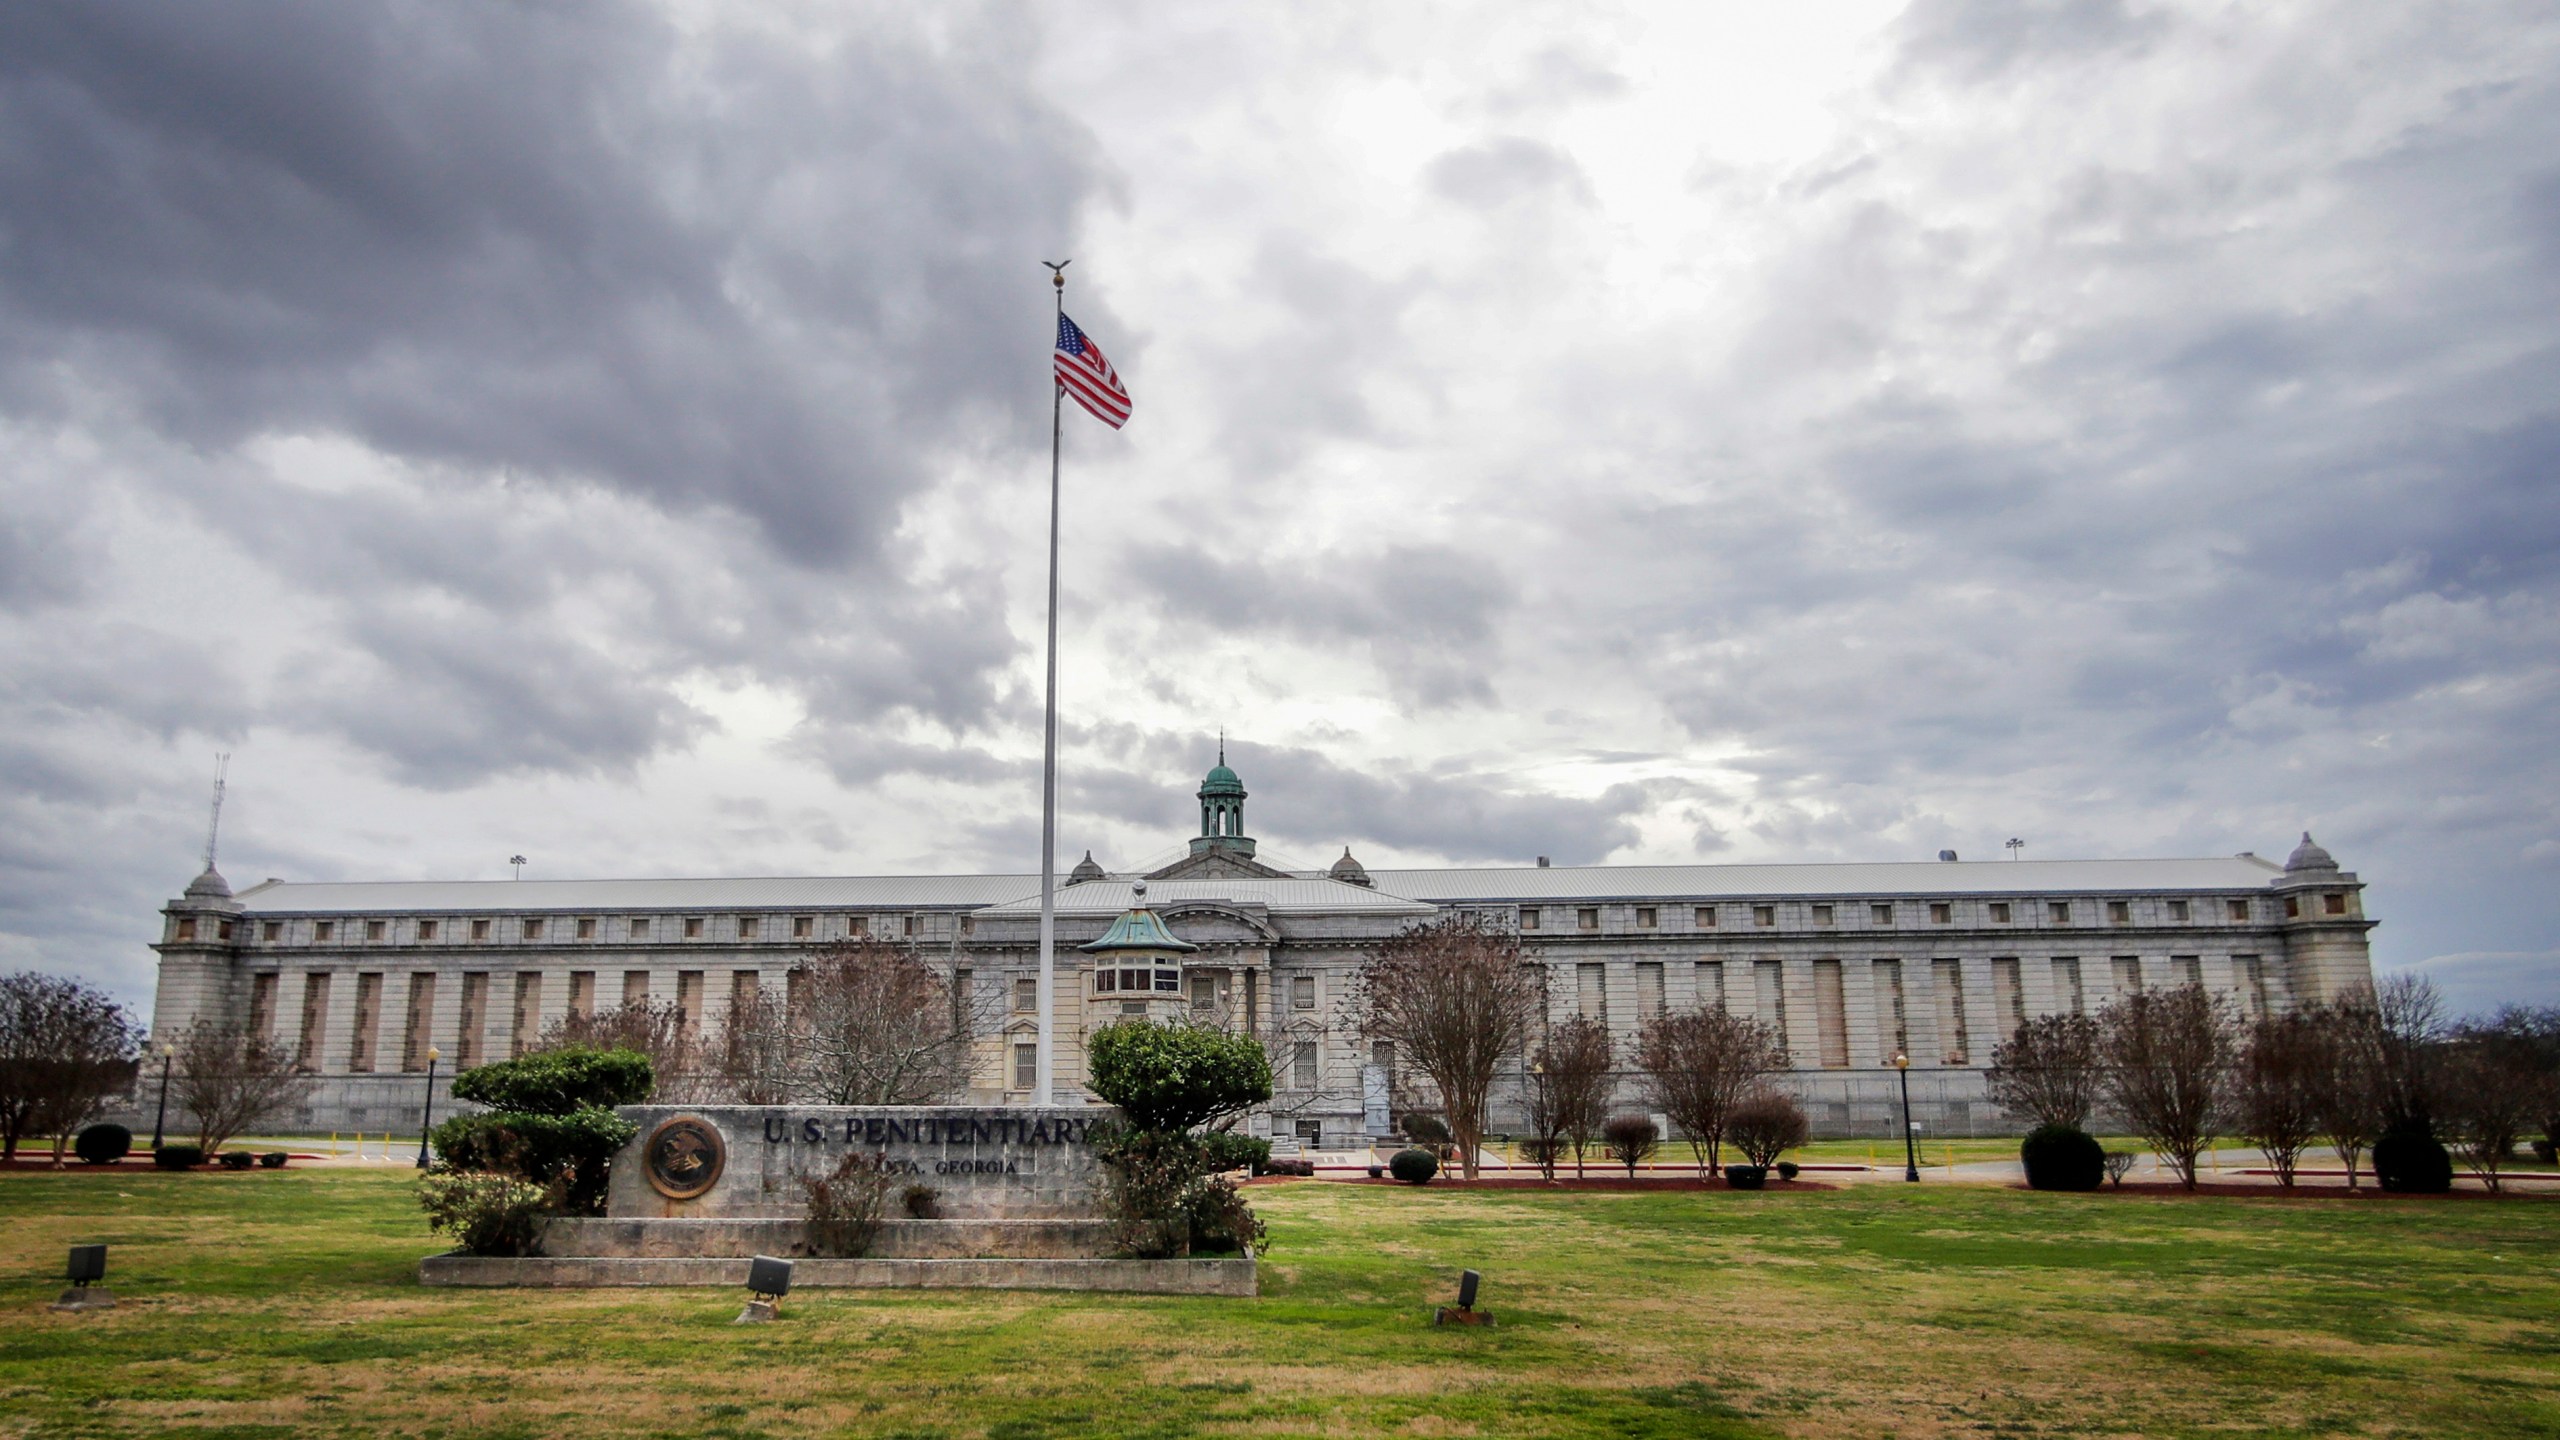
[(88, 1266), (1465, 1311), (1910, 1149), (427, 1114), (768, 1280)]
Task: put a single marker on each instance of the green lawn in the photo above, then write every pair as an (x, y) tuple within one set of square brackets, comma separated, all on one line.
[(273, 1304)]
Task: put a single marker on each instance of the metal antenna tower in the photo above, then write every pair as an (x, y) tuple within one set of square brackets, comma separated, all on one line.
[(213, 830)]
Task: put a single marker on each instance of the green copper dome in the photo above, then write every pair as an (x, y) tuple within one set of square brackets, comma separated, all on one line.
[(1138, 929), (1222, 781)]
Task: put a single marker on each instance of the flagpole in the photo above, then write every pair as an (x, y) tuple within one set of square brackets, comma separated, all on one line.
[(1043, 1093)]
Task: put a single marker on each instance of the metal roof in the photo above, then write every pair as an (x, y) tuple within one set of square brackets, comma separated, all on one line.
[(1110, 897), (814, 892), (1915, 878)]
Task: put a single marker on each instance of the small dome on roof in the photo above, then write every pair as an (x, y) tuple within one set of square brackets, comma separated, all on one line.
[(1221, 781), (2309, 856), (1138, 929), (1348, 869), (209, 886), (1085, 870)]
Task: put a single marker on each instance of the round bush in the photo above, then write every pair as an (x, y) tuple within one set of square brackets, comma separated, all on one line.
[(1173, 1077), (2410, 1162), (103, 1144), (1426, 1129), (1413, 1167), (236, 1159), (1745, 1177), (274, 1159), (2059, 1157), (177, 1157), (1788, 1169)]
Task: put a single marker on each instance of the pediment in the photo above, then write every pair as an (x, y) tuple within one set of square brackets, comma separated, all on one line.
[(1217, 865)]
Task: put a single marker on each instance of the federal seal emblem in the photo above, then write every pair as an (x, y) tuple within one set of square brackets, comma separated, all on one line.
[(683, 1157)]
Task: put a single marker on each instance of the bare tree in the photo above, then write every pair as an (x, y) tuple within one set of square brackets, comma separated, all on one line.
[(2536, 1032), (2488, 1085), (2278, 1090), (2410, 1016), (750, 1061), (2351, 1093), (2048, 1070), (1455, 998), (2169, 1056), (1700, 1065), (874, 1024), (659, 1029), (1575, 1067), (65, 1050), (1766, 1124), (231, 1080)]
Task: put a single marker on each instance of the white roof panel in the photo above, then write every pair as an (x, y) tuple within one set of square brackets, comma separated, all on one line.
[(1916, 878), (815, 892), (1110, 897)]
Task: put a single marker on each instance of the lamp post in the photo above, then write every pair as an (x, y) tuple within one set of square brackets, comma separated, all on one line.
[(427, 1116), (1910, 1148), (160, 1122)]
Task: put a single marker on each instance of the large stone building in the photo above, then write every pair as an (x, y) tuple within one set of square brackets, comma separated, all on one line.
[(1853, 963)]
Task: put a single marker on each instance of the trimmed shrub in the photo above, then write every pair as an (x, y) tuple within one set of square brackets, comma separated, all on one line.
[(177, 1157), (103, 1144), (2411, 1162), (2059, 1157), (1788, 1169), (572, 1149), (486, 1214), (1413, 1167), (2545, 1151), (236, 1159), (559, 1082), (922, 1202), (1221, 1221), (1764, 1124), (1226, 1150), (845, 1205), (1301, 1168), (1175, 1077), (1745, 1177), (1631, 1139), (274, 1159), (1426, 1129)]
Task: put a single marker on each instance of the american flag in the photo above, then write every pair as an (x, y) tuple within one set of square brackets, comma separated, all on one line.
[(1088, 377)]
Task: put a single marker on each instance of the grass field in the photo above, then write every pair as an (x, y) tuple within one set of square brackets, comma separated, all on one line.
[(286, 1304)]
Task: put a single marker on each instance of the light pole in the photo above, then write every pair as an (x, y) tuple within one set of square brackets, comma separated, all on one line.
[(2016, 845), (426, 1116), (160, 1122), (1910, 1148)]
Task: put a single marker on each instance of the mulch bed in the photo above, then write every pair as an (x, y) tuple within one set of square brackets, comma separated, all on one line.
[(139, 1160), (1645, 1185), (2208, 1189)]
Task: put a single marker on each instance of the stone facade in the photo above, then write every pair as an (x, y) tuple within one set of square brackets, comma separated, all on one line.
[(1852, 963), (991, 1163)]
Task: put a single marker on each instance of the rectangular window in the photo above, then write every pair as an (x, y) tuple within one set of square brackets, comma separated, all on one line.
[(368, 1026), (635, 987), (1648, 990), (2178, 911), (964, 1000), (532, 930), (1764, 914), (1591, 992), (803, 926), (2253, 984), (1026, 994), (1586, 919), (415, 1038), (1711, 984), (1941, 913), (324, 930), (1879, 914), (315, 1021), (1105, 981), (2128, 973), (223, 930), (1528, 918), (1999, 912), (582, 994), (746, 927), (426, 929), (262, 1005), (2239, 911), (1302, 992), (1133, 980), (479, 929), (1644, 917), (2008, 992), (2059, 911), (1204, 992), (1821, 914), (2066, 984), (689, 989), (271, 930), (693, 927), (2189, 969), (857, 925), (1133, 1007), (1831, 1014), (910, 924), (1769, 981), (1302, 1065), (586, 929), (1169, 982), (2333, 904), (2119, 912), (745, 985), (373, 929), (475, 1019), (1705, 917), (1954, 1045), (1893, 1019), (1026, 1067), (795, 989), (526, 1024), (640, 928)]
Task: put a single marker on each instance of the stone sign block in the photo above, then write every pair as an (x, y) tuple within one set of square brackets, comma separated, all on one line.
[(746, 1161)]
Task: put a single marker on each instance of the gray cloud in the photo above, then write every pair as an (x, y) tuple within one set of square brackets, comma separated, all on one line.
[(1980, 40), (1505, 169)]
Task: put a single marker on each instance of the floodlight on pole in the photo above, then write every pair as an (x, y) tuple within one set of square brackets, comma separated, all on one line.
[(1910, 1147), (2016, 845), (160, 1122), (427, 1114), (519, 862)]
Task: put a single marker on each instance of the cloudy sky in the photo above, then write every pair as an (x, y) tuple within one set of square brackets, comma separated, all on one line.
[(617, 434)]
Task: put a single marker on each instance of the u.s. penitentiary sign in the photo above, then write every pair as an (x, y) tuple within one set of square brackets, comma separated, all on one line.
[(747, 1161)]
